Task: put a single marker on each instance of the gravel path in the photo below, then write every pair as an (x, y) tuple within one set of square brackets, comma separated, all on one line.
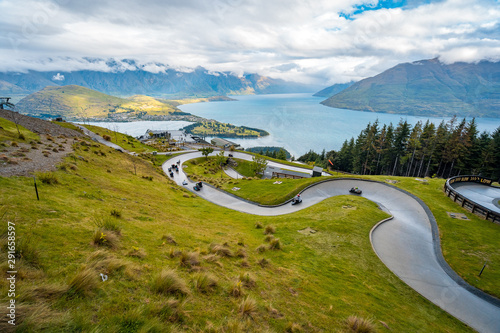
[(23, 159)]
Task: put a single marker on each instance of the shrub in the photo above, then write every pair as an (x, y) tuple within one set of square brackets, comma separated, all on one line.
[(269, 230), (84, 282), (168, 282), (48, 178), (106, 137), (248, 308), (205, 283), (21, 136), (360, 325)]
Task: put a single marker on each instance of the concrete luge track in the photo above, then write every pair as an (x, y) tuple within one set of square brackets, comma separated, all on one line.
[(408, 244)]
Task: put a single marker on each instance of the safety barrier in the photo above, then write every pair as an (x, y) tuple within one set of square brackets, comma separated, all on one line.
[(468, 204)]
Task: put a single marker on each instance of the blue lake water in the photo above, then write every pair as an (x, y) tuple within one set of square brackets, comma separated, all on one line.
[(296, 122), (299, 123)]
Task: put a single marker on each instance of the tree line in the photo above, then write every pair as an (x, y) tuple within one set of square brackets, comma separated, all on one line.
[(449, 149)]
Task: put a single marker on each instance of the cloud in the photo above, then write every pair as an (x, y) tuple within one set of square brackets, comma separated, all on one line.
[(58, 77), (307, 41)]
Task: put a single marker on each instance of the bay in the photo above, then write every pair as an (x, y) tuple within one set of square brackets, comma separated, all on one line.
[(296, 122), (299, 123)]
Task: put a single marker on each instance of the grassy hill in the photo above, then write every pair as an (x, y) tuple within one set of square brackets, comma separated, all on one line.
[(177, 263), (76, 101)]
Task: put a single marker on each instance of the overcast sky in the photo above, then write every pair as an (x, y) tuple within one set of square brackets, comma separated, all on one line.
[(318, 41)]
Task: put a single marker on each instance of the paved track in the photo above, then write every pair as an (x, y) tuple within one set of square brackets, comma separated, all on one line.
[(483, 195), (405, 244)]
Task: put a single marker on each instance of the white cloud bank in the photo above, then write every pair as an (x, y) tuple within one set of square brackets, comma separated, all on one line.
[(306, 41)]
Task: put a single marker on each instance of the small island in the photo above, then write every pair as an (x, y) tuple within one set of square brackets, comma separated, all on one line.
[(215, 128)]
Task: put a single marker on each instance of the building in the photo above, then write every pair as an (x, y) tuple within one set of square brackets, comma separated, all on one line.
[(223, 143), (317, 171)]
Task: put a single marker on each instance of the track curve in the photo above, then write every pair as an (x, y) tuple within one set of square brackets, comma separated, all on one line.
[(484, 195), (408, 244)]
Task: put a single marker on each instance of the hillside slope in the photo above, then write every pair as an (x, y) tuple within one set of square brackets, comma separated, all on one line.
[(75, 101), (427, 88)]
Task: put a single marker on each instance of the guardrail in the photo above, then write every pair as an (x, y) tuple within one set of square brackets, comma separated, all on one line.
[(468, 204)]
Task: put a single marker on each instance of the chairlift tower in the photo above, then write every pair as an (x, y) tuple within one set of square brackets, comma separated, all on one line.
[(5, 104)]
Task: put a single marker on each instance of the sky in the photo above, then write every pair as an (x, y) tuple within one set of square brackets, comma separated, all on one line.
[(319, 42)]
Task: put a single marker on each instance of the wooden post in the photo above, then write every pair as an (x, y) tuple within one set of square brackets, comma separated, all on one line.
[(36, 189)]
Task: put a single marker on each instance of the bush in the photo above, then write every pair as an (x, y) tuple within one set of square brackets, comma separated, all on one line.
[(168, 282)]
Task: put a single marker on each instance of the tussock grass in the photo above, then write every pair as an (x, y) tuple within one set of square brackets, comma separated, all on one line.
[(220, 250), (275, 244), (269, 230), (247, 280), (248, 308), (169, 283), (236, 289), (189, 259), (48, 178), (261, 248), (105, 238), (241, 253), (108, 222), (137, 253), (360, 325), (294, 328), (205, 283), (268, 238), (84, 283), (170, 310), (27, 251)]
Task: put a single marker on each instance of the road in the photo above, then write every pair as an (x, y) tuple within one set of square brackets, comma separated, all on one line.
[(407, 244)]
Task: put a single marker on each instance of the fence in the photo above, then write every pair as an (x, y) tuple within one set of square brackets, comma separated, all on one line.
[(468, 204)]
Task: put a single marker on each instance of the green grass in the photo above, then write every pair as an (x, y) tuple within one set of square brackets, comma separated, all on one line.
[(315, 282), (8, 131), (244, 168), (123, 140)]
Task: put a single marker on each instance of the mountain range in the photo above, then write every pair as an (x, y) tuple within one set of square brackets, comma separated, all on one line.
[(137, 80), (427, 88)]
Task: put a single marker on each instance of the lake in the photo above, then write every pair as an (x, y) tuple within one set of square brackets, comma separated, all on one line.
[(296, 122)]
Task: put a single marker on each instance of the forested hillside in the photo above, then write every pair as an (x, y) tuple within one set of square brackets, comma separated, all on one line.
[(422, 150)]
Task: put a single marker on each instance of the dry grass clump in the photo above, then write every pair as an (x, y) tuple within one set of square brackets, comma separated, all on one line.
[(247, 280), (106, 238), (275, 244), (261, 248), (137, 253), (170, 310), (269, 230), (220, 250), (241, 253), (27, 251), (189, 259), (43, 292), (205, 283), (269, 238), (258, 225), (173, 253), (236, 289), (168, 282), (248, 308), (264, 262), (84, 282), (294, 328), (360, 325)]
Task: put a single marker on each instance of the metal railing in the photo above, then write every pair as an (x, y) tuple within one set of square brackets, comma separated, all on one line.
[(468, 204)]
